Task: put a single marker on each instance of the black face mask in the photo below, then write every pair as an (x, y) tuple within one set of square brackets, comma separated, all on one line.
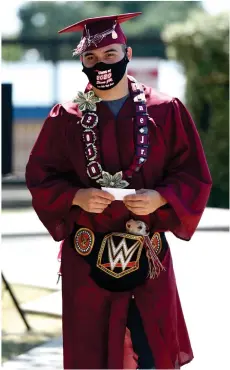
[(105, 76)]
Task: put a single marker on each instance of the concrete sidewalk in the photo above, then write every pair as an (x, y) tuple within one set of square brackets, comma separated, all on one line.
[(46, 357)]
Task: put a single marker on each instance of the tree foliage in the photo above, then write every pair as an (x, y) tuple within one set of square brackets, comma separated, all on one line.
[(43, 19), (201, 46), (12, 53)]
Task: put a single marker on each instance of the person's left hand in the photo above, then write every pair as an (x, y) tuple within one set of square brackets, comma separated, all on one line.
[(144, 202)]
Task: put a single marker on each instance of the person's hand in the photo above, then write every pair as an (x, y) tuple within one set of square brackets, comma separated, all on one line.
[(92, 200), (144, 202)]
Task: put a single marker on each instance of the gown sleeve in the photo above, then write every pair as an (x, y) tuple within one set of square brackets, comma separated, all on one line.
[(186, 183), (49, 177)]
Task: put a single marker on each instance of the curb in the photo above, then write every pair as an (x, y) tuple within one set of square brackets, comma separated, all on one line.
[(15, 204), (11, 181)]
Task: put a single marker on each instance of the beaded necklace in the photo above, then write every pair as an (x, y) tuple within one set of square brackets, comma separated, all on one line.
[(89, 122)]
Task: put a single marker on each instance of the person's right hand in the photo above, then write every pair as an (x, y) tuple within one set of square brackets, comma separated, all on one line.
[(92, 200)]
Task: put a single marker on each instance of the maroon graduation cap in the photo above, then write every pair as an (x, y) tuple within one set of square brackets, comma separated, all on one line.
[(100, 31)]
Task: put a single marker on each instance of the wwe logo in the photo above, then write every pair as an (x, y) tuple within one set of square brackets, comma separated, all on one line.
[(121, 253)]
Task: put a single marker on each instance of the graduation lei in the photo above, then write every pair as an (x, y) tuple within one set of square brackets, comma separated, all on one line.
[(89, 122)]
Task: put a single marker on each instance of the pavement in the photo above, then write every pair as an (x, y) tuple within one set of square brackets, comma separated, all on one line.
[(202, 282), (15, 193), (46, 357)]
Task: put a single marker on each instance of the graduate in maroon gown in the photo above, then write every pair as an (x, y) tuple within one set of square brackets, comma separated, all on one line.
[(120, 298)]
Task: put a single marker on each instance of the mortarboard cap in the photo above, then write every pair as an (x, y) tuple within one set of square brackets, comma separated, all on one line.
[(100, 31)]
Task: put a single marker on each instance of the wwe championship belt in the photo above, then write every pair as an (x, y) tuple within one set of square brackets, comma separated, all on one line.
[(119, 254), (118, 260)]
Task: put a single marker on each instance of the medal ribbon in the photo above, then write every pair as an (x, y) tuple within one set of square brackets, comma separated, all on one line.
[(89, 123)]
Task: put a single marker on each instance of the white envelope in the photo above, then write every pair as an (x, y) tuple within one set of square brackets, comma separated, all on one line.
[(119, 194)]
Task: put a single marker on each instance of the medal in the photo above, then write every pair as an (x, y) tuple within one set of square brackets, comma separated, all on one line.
[(84, 241)]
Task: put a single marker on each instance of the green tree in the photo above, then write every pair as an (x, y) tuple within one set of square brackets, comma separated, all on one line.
[(201, 45), (43, 19), (157, 15), (12, 53)]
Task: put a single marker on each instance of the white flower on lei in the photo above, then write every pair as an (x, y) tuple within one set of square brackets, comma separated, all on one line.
[(87, 101)]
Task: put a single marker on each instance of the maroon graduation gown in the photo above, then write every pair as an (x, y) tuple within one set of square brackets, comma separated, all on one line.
[(94, 319)]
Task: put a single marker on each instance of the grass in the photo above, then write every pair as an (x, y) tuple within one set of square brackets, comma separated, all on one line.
[(15, 337)]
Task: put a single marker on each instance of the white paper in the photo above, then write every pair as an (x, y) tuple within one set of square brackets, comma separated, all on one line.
[(119, 194)]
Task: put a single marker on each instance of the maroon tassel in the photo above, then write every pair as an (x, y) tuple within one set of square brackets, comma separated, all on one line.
[(155, 265), (59, 260)]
